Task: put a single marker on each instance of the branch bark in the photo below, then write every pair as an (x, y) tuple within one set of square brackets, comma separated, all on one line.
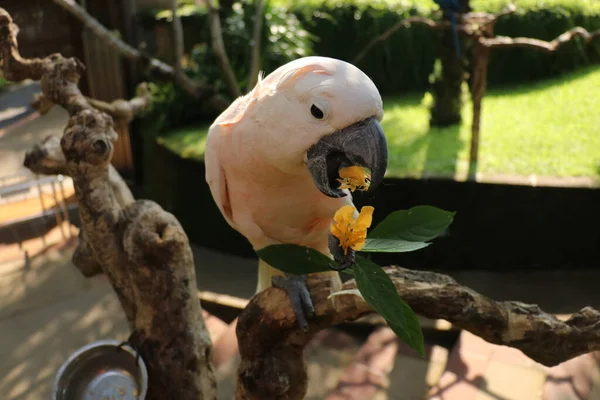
[(405, 23), (216, 34), (271, 344), (156, 66), (256, 44), (482, 21), (548, 47), (177, 37), (142, 249), (122, 110)]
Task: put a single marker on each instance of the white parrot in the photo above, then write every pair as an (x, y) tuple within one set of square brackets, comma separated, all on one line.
[(272, 159)]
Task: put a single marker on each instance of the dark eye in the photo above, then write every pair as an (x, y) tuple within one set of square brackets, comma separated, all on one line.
[(316, 112)]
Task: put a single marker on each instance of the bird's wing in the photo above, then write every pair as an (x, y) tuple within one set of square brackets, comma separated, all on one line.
[(215, 174)]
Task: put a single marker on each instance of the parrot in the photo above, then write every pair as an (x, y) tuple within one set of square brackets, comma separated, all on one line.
[(451, 7), (273, 156)]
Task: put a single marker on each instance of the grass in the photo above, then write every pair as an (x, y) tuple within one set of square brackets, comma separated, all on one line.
[(3, 83), (549, 128)]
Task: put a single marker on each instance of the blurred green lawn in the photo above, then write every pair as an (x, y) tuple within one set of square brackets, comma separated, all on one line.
[(547, 128)]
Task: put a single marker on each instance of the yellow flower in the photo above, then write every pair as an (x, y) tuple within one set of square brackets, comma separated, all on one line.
[(354, 178), (351, 232)]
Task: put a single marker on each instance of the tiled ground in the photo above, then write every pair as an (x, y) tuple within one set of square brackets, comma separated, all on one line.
[(478, 370)]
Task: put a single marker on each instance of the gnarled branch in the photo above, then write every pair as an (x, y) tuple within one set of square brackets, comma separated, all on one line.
[(47, 158), (548, 47), (271, 343), (405, 23), (142, 249), (155, 66), (122, 110)]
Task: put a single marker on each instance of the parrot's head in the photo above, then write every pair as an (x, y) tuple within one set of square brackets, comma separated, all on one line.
[(317, 114)]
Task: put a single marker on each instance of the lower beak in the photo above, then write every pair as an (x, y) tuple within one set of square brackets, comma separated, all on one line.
[(363, 144)]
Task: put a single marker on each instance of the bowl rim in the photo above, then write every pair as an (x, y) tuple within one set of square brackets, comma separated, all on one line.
[(102, 343)]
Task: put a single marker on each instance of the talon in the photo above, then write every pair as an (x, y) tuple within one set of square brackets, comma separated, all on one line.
[(342, 266), (344, 260), (295, 287)]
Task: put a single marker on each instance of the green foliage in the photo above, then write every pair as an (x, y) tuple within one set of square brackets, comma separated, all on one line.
[(405, 60), (401, 228), (298, 259), (341, 28), (418, 224), (408, 230), (379, 291), (3, 83), (544, 128), (283, 39)]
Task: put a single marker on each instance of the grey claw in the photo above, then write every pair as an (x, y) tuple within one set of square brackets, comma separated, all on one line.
[(345, 260), (295, 287)]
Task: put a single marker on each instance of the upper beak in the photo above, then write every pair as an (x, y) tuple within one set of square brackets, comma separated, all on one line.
[(362, 143)]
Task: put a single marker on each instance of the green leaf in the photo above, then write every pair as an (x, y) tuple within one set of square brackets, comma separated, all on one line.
[(378, 290), (418, 224), (295, 259), (392, 246)]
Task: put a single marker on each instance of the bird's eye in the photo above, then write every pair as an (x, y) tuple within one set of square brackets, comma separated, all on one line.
[(316, 112)]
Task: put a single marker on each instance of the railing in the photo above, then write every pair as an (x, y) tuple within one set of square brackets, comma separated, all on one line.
[(18, 209)]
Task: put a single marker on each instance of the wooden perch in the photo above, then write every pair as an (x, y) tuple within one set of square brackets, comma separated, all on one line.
[(47, 158), (122, 110), (271, 344), (155, 66), (142, 249)]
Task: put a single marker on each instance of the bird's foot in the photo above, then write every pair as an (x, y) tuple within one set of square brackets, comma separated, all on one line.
[(344, 260), (295, 287)]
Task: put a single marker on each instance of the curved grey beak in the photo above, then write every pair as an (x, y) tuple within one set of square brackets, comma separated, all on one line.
[(362, 143)]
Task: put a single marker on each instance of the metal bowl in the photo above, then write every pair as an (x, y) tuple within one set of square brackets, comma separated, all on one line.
[(101, 371)]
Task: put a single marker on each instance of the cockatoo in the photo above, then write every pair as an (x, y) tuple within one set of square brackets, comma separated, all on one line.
[(272, 159)]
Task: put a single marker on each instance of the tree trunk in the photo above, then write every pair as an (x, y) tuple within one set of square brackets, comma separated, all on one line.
[(449, 75), (481, 55)]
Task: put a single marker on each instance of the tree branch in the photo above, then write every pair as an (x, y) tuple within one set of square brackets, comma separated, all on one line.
[(47, 158), (548, 47), (492, 19), (142, 249), (156, 66), (122, 110), (271, 344), (469, 25), (177, 37), (405, 23), (216, 33), (256, 36)]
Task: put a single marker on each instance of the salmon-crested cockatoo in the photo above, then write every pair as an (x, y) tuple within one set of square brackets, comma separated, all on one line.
[(273, 159)]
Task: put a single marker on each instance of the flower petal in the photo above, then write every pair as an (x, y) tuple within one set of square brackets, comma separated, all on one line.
[(345, 214), (365, 218), (353, 172)]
